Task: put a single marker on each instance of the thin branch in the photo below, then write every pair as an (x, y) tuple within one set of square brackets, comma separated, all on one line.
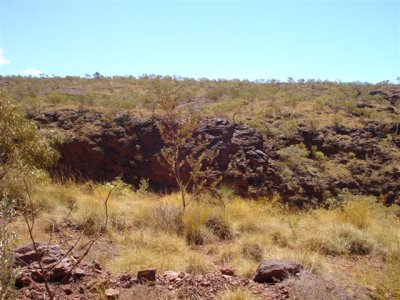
[(44, 274), (70, 211)]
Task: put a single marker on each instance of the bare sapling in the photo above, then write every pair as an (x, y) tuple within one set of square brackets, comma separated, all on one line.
[(29, 213)]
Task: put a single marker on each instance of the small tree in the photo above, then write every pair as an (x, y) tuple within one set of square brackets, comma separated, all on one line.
[(184, 152)]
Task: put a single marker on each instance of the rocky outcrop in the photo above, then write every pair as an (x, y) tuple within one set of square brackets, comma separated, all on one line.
[(391, 94), (365, 161), (102, 148)]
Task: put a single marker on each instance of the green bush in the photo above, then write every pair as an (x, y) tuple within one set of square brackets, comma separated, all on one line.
[(7, 241), (22, 148), (294, 152)]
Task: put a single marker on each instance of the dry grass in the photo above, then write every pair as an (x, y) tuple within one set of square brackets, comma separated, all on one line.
[(237, 294), (148, 231), (151, 249)]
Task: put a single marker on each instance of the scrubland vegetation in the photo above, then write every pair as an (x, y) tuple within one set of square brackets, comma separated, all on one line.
[(318, 103), (357, 243), (353, 239)]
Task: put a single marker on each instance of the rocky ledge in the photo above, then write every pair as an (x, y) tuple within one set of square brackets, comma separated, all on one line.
[(101, 148)]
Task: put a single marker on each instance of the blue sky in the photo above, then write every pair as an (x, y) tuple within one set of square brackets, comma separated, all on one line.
[(335, 40)]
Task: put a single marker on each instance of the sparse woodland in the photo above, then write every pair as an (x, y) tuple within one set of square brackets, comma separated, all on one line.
[(334, 147)]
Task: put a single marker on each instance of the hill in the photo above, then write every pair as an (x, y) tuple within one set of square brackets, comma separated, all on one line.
[(297, 178)]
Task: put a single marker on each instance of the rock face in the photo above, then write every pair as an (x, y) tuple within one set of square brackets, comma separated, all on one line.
[(99, 148), (272, 271)]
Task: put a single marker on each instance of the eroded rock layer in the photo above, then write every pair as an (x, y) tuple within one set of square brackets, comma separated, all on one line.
[(100, 148), (362, 160)]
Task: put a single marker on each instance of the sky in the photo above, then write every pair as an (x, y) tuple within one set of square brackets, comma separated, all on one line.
[(353, 40)]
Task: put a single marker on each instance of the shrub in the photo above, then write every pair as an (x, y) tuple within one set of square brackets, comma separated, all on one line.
[(252, 251), (7, 240), (360, 211), (337, 120), (56, 98), (23, 151), (143, 186), (320, 156), (89, 214), (360, 246), (169, 218), (198, 264), (198, 236), (118, 186), (293, 152), (219, 228), (227, 192), (324, 245), (195, 219), (289, 128), (279, 239)]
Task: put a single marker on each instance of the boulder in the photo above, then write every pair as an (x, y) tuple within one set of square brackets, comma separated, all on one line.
[(146, 276), (272, 271)]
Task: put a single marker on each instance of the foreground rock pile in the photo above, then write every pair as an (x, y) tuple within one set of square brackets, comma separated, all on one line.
[(41, 262), (274, 280), (208, 285), (56, 265)]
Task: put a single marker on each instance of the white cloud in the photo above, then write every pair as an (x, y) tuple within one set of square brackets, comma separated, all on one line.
[(3, 61), (31, 72)]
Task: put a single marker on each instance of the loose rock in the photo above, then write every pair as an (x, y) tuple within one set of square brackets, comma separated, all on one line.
[(112, 293), (272, 271)]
